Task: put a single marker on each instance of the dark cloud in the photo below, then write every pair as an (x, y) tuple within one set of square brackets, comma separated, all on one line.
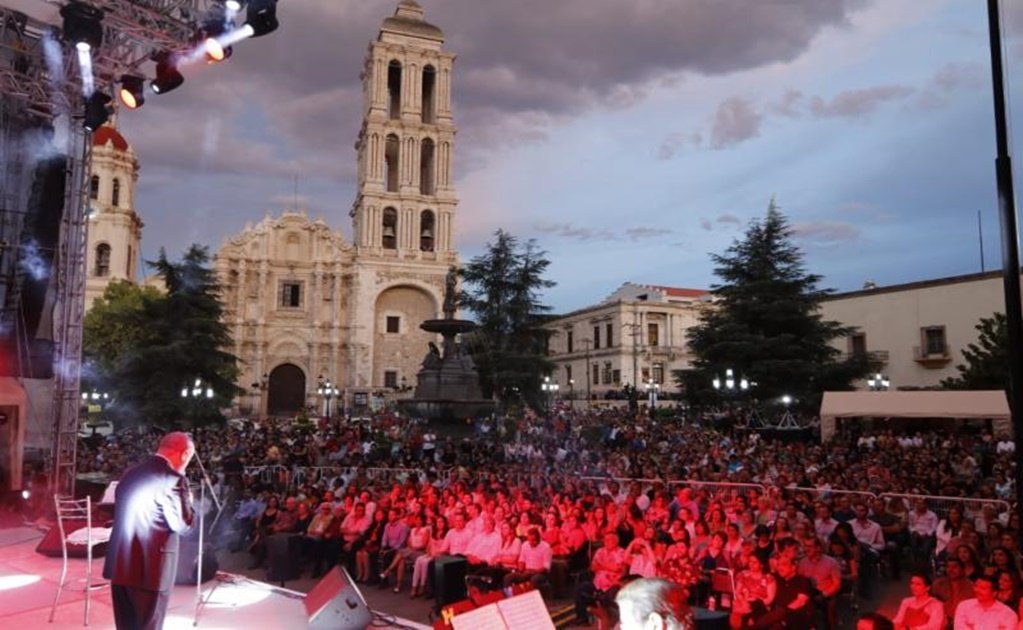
[(705, 224), (825, 232), (291, 102), (736, 120), (857, 103), (728, 219)]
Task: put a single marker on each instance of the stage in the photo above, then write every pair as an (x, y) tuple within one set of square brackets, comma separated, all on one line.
[(28, 582)]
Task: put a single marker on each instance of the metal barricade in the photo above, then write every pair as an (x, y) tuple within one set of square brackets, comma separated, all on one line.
[(969, 506), (824, 494), (721, 490)]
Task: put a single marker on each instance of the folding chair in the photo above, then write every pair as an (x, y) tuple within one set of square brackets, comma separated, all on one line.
[(77, 510), (722, 587)]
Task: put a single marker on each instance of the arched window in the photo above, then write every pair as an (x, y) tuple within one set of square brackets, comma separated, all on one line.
[(130, 263), (391, 161), (390, 229), (115, 196), (394, 89), (427, 229), (429, 83), (426, 174), (102, 260), (94, 187)]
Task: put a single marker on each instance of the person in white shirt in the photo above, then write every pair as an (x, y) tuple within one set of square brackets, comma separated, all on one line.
[(484, 546), (456, 541), (983, 611), (824, 525), (535, 557), (922, 525)]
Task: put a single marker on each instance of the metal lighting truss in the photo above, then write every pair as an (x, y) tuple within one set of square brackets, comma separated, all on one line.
[(134, 33)]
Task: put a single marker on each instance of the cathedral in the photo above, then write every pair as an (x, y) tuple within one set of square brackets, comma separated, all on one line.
[(314, 317)]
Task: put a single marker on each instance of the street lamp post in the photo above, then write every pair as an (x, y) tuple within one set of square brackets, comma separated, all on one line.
[(879, 383), (550, 390), (261, 386), (327, 390), (571, 393), (92, 399), (651, 390), (197, 393)]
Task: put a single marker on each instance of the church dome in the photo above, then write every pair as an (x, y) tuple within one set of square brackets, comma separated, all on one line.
[(408, 20), (108, 134)]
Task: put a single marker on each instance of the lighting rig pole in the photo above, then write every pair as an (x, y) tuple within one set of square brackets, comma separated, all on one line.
[(101, 43), (1010, 243)]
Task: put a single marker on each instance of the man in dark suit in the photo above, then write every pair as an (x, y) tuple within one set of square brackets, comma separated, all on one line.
[(152, 507)]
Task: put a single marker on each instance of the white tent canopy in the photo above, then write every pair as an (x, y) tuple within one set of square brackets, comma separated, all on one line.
[(921, 404)]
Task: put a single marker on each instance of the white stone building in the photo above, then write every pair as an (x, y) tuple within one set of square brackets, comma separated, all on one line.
[(636, 336), (915, 333), (115, 228), (306, 306)]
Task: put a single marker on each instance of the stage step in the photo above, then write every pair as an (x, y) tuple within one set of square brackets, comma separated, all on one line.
[(562, 616)]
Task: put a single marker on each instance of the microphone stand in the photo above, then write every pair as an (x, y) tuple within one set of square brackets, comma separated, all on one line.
[(202, 521)]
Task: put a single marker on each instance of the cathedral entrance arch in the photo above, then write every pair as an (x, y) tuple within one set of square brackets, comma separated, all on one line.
[(286, 390)]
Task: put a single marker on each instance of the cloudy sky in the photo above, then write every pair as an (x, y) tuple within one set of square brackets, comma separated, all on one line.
[(630, 138)]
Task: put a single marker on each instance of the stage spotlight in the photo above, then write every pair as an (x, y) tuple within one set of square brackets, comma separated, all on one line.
[(261, 17), (168, 77), (25, 494), (97, 110), (83, 25), (214, 42), (132, 92)]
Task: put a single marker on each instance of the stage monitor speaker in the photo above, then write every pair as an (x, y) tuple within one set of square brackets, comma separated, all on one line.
[(50, 544), (336, 603), (449, 579), (188, 559)]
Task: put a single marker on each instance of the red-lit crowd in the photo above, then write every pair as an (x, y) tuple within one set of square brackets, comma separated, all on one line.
[(549, 501)]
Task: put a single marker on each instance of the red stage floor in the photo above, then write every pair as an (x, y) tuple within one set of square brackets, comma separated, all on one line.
[(28, 582)]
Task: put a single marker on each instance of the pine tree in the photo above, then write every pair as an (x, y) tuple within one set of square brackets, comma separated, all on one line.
[(987, 360), (145, 347), (765, 322), (502, 290)]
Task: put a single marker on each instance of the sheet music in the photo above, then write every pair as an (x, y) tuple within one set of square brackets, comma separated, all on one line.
[(526, 612), (483, 618)]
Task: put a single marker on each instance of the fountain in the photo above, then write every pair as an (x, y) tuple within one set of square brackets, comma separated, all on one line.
[(447, 388)]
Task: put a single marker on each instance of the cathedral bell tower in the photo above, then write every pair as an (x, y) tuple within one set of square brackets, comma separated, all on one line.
[(115, 229), (406, 201)]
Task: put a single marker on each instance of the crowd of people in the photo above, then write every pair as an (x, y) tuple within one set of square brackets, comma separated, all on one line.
[(580, 502)]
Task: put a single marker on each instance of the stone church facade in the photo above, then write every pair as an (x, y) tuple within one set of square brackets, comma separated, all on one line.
[(306, 307)]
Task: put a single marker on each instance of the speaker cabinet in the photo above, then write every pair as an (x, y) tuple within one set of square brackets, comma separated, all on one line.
[(449, 579), (336, 603)]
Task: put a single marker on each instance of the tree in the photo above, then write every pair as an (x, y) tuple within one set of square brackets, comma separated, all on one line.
[(987, 359), (502, 289), (144, 347), (765, 322)]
